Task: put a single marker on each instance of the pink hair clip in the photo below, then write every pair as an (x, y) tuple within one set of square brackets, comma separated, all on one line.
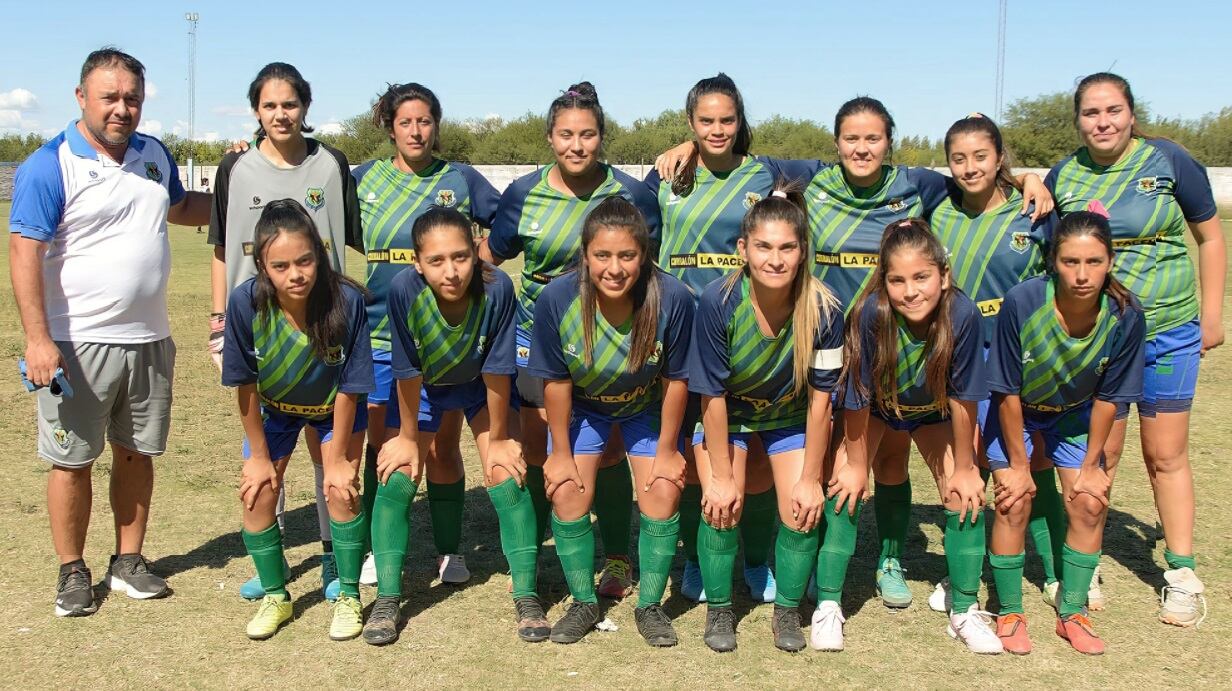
[(1095, 206)]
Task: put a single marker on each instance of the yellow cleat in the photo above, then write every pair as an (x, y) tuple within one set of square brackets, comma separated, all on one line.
[(273, 612), (348, 619)]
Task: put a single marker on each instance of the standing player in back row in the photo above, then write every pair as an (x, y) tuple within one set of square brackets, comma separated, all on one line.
[(1153, 190), (393, 193), (703, 206), (283, 164), (540, 217)]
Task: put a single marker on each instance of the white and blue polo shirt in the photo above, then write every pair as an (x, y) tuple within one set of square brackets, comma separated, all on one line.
[(105, 224)]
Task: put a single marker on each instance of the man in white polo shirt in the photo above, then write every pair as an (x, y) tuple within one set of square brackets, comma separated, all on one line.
[(89, 258)]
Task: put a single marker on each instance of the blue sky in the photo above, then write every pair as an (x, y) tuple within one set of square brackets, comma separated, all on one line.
[(930, 62)]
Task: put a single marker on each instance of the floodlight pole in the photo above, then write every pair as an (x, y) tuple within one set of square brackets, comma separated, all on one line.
[(192, 18)]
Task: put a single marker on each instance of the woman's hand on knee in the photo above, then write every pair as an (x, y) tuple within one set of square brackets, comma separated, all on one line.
[(257, 472)]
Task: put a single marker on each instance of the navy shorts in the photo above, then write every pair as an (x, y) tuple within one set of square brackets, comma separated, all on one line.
[(282, 430)]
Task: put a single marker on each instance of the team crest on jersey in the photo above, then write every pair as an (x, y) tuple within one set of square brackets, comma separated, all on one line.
[(60, 435), (751, 198), (897, 204), (334, 356), (445, 198), (1147, 185), (1102, 366), (1020, 242), (314, 198), (152, 172)]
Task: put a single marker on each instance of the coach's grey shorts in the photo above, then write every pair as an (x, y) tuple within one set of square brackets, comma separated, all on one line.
[(121, 394)]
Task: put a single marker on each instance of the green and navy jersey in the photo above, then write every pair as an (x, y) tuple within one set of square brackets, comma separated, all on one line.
[(700, 229), (545, 226), (967, 380), (426, 345), (606, 386), (847, 222), (1150, 194), (991, 252), (390, 201), (730, 356), (262, 347), (1035, 358)]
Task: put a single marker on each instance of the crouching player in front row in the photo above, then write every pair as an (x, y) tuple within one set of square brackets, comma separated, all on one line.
[(611, 341), (915, 364), (452, 327), (1068, 352), (297, 347), (766, 353)]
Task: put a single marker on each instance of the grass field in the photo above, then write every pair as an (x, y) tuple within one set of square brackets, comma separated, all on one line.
[(464, 636)]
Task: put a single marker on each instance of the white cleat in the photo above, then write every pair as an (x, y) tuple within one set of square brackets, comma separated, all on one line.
[(974, 628), (367, 574), (1181, 600), (940, 600), (826, 633)]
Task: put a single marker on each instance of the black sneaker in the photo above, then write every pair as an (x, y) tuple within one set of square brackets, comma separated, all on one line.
[(577, 622), (785, 624), (655, 626), (74, 591), (720, 633), (382, 625), (532, 621), (130, 574)]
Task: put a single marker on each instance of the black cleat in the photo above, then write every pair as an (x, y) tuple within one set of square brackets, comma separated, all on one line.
[(577, 622), (655, 626), (382, 625), (786, 627), (720, 633), (532, 622)]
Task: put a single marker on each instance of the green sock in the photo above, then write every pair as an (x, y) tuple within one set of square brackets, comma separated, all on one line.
[(445, 503), (757, 521), (614, 507), (716, 554), (1077, 569), (964, 558), (1007, 575), (795, 557), (892, 508), (1178, 561), (391, 526), (349, 551), (370, 487), (575, 545), (516, 515), (265, 548), (538, 500), (836, 550), (1048, 522), (690, 520), (656, 547)]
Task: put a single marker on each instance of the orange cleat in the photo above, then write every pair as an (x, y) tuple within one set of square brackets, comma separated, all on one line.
[(1077, 629), (1012, 630)]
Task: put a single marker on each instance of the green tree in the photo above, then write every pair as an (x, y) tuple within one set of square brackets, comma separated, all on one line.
[(15, 147)]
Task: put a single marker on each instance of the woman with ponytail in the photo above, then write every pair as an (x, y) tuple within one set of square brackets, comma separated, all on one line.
[(914, 364), (1069, 352), (765, 356)]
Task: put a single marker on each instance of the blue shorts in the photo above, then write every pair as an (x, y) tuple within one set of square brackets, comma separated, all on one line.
[(1064, 434), (908, 426), (589, 433), (1171, 376), (435, 401), (282, 430), (776, 441), (382, 369)]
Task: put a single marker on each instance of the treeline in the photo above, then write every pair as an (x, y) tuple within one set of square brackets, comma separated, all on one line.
[(1039, 132)]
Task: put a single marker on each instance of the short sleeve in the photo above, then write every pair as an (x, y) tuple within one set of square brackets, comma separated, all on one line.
[(968, 381), (1041, 234), (797, 171), (1005, 356), (859, 383), (357, 375), (404, 354), (239, 356), (1191, 187), (501, 344), (709, 361), (485, 200), (38, 196), (679, 328), (352, 221), (646, 199), (933, 187), (218, 207), (827, 362), (547, 361), (504, 241), (1123, 380), (175, 188)]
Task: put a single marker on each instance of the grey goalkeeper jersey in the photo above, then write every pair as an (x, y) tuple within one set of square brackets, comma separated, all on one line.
[(246, 182)]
